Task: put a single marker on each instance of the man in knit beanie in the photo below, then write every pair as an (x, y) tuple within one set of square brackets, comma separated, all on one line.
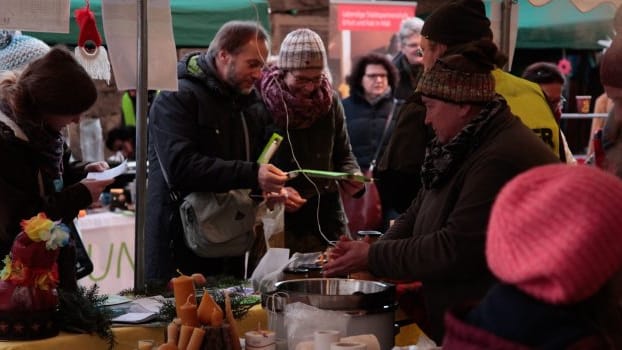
[(447, 30), (553, 265), (479, 146), (17, 49)]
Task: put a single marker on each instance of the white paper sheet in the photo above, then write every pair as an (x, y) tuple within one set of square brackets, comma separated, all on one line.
[(109, 173), (121, 26), (35, 15)]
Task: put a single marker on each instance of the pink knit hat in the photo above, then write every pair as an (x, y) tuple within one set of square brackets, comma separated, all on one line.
[(560, 254)]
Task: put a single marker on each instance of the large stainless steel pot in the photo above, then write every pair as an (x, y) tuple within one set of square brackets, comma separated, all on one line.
[(369, 305)]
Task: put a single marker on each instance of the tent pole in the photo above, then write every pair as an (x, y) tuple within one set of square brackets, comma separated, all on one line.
[(506, 28), (141, 145)]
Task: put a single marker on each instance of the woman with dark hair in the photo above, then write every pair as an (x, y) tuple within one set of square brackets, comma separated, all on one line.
[(37, 176), (372, 83)]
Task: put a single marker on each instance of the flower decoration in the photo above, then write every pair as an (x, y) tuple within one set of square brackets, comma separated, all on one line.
[(26, 264), (564, 66)]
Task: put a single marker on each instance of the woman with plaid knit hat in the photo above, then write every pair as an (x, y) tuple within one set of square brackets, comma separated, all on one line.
[(308, 113), (560, 270), (479, 146)]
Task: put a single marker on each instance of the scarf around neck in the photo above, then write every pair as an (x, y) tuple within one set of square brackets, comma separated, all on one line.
[(441, 161), (302, 112), (48, 144)]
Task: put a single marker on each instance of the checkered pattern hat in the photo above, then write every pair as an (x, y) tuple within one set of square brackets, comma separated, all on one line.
[(17, 50), (302, 49)]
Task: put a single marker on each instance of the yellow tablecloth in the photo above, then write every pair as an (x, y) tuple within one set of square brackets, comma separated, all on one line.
[(128, 337)]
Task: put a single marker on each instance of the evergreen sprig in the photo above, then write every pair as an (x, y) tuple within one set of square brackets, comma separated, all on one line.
[(82, 311)]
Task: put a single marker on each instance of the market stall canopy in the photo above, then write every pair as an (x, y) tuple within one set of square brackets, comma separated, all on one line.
[(570, 24), (194, 22)]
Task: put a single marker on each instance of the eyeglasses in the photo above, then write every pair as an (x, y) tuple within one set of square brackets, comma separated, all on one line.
[(303, 81), (376, 76), (561, 103)]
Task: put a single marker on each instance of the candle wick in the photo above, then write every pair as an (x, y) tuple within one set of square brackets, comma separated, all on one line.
[(188, 299)]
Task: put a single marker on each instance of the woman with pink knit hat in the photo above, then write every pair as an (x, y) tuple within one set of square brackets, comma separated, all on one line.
[(559, 269)]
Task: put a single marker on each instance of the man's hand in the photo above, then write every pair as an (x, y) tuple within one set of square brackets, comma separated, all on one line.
[(271, 178)]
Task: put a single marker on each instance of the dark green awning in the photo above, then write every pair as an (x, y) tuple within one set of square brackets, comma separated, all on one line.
[(195, 22)]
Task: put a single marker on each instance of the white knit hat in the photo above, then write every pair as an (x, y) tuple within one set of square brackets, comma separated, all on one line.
[(302, 49), (17, 50)]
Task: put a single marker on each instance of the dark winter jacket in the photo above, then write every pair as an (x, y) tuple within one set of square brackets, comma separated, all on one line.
[(22, 196), (440, 239), (196, 136), (323, 146), (366, 123), (508, 319), (399, 167)]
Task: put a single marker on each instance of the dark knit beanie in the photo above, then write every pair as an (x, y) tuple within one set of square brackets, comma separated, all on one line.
[(461, 78), (457, 22)]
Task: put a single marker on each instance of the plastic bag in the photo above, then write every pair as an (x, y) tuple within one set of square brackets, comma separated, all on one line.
[(270, 269), (91, 139), (273, 225), (302, 320)]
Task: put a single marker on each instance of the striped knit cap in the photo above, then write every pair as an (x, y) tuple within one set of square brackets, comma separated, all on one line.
[(302, 49), (557, 254), (457, 79), (17, 50)]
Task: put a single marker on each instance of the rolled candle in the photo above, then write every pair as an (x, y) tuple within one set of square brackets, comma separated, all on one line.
[(184, 337), (260, 340), (188, 313), (145, 345), (172, 333), (196, 340), (168, 346), (183, 286), (348, 346), (217, 317)]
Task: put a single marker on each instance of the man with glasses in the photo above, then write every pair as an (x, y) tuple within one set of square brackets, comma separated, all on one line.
[(551, 81), (307, 112)]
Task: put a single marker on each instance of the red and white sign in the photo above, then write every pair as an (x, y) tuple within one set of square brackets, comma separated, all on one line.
[(370, 17)]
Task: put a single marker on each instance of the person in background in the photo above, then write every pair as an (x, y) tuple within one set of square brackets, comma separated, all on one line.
[(552, 82), (308, 113), (372, 82), (479, 146), (17, 50), (198, 142), (559, 269), (122, 140), (408, 60), (128, 106), (38, 176)]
